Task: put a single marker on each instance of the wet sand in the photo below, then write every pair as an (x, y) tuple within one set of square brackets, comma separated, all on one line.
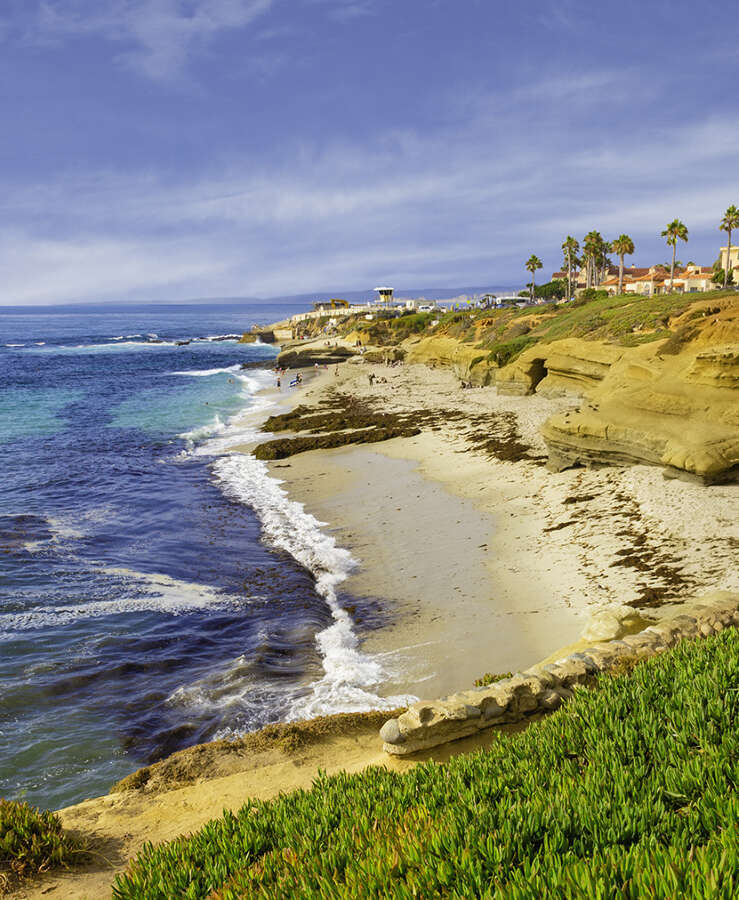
[(484, 565)]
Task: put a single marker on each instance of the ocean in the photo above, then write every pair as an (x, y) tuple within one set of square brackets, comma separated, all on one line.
[(156, 589)]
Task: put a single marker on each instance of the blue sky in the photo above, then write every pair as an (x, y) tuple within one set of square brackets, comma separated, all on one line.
[(171, 149)]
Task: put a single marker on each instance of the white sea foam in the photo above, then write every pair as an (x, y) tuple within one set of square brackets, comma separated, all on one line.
[(110, 347), (149, 593), (218, 437), (206, 373), (350, 676), (220, 337), (15, 345), (197, 435)]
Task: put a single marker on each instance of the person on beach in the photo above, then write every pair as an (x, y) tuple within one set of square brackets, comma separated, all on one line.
[(279, 384)]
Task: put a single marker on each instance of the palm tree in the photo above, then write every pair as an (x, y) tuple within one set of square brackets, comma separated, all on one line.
[(672, 232), (588, 252), (729, 222), (624, 246), (596, 261), (532, 264), (570, 248), (603, 249)]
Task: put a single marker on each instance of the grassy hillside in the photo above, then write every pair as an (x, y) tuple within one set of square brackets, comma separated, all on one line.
[(503, 334), (629, 791)]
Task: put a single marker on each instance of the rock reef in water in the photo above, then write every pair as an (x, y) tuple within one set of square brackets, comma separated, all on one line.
[(296, 357), (258, 337)]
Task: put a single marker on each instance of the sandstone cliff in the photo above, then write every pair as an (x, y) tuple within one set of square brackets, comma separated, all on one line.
[(672, 402), (468, 362)]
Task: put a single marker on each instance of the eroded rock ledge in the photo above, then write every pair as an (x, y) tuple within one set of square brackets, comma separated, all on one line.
[(546, 687)]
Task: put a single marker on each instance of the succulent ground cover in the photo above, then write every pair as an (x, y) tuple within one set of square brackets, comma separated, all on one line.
[(32, 841), (628, 791)]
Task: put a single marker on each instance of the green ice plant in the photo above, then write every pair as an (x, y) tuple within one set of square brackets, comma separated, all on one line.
[(630, 790), (32, 840)]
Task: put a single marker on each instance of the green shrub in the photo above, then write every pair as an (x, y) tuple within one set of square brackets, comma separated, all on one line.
[(32, 841), (590, 294), (412, 323), (630, 791), (505, 352)]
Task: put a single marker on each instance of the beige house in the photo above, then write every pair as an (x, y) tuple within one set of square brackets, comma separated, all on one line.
[(656, 279), (695, 278), (734, 260)]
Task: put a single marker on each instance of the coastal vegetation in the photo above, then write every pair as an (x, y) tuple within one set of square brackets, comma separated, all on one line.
[(627, 791), (32, 841), (502, 334), (623, 320)]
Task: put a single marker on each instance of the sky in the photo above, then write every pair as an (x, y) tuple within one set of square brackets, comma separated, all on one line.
[(160, 150)]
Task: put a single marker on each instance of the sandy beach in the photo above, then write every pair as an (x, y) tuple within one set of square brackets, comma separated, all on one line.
[(486, 565), (467, 563)]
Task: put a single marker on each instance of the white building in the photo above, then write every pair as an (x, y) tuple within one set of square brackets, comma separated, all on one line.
[(733, 262)]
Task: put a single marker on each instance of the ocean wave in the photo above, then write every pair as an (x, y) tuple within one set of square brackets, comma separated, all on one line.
[(202, 432), (206, 373), (151, 593), (117, 345), (15, 345), (350, 677), (219, 337), (218, 436)]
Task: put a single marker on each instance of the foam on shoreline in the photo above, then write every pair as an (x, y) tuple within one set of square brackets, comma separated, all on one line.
[(350, 677)]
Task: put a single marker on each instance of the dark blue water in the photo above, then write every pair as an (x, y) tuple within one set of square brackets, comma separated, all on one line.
[(151, 597)]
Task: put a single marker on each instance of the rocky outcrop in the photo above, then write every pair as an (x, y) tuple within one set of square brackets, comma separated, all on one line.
[(680, 412), (258, 337), (564, 367), (468, 363), (546, 687), (297, 355)]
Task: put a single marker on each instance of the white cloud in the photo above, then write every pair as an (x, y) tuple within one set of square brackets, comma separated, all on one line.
[(37, 270), (464, 205), (157, 36)]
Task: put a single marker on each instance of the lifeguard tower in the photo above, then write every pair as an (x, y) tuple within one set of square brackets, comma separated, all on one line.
[(385, 295)]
